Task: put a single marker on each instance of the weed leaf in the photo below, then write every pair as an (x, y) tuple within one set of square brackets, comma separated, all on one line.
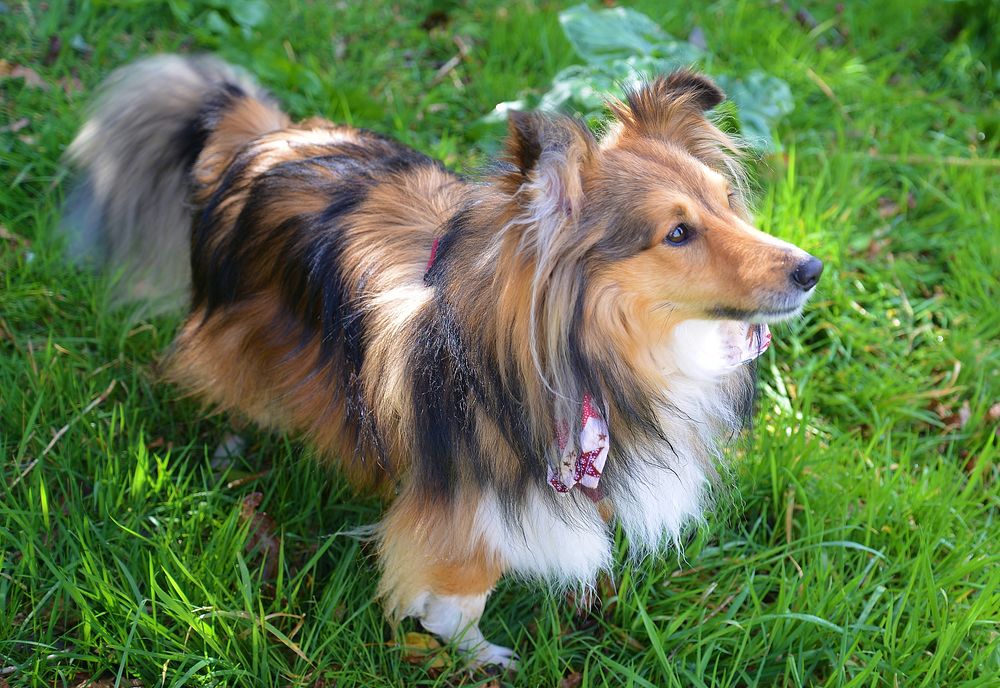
[(603, 36)]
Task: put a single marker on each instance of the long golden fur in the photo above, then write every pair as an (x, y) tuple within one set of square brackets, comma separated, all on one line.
[(432, 335)]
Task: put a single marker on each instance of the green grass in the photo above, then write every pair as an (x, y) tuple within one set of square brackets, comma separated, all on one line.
[(858, 543)]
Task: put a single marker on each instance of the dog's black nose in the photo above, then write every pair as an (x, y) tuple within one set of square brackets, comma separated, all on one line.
[(806, 275)]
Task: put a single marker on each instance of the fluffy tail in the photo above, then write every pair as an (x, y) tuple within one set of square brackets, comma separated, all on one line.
[(128, 210)]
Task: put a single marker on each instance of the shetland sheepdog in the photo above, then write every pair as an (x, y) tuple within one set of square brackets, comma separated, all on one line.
[(519, 363)]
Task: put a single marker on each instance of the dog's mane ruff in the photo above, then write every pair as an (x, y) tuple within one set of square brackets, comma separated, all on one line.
[(554, 249)]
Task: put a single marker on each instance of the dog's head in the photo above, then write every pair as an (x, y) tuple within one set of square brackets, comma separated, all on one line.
[(653, 215), (609, 244)]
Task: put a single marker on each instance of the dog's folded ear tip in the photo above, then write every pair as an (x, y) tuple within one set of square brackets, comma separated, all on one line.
[(704, 92), (530, 134)]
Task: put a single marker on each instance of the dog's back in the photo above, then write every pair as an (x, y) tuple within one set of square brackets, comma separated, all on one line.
[(295, 234)]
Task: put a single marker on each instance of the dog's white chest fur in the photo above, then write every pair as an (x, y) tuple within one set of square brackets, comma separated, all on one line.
[(666, 490)]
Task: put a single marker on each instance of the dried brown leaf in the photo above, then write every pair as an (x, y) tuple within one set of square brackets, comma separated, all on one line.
[(261, 537), (15, 126), (877, 247), (970, 463), (418, 647), (29, 75), (571, 680), (954, 420), (993, 415), (887, 208), (85, 680)]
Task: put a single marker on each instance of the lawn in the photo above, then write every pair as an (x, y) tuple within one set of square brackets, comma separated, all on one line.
[(856, 544)]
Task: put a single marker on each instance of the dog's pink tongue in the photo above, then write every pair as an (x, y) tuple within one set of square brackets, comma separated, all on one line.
[(751, 341)]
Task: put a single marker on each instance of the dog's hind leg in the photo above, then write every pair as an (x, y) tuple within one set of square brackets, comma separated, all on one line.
[(434, 568)]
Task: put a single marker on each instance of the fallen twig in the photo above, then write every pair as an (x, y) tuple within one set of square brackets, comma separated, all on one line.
[(62, 431), (447, 67), (87, 409), (828, 92)]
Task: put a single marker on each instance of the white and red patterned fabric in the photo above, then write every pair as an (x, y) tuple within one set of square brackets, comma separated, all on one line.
[(582, 463)]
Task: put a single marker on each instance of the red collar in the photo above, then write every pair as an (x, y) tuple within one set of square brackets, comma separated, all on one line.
[(434, 253)]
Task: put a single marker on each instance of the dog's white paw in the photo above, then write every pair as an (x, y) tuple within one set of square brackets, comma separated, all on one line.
[(455, 619), (486, 654)]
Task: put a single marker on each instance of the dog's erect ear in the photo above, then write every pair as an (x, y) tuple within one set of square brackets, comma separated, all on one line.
[(548, 154), (661, 108), (703, 92)]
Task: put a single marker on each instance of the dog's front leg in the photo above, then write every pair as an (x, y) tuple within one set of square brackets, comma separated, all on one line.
[(455, 618), (435, 568)]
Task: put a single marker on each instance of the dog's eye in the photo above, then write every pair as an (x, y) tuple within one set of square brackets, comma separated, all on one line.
[(678, 235)]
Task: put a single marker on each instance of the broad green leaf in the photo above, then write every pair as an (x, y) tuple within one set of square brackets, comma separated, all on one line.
[(761, 100), (216, 23), (247, 13), (181, 9), (616, 33)]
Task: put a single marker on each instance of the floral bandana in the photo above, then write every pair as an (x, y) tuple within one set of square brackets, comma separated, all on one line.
[(581, 467), (743, 343)]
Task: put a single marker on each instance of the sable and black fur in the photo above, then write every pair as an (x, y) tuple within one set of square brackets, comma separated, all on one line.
[(314, 309)]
